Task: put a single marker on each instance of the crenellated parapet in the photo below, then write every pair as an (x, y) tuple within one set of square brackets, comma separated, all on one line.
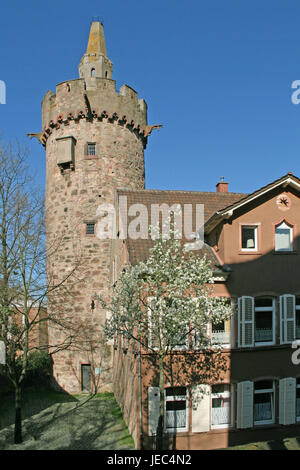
[(93, 99)]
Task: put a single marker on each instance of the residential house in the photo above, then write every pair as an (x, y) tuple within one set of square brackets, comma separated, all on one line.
[(252, 242)]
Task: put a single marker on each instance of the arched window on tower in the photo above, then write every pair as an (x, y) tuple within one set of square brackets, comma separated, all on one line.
[(93, 72), (105, 73)]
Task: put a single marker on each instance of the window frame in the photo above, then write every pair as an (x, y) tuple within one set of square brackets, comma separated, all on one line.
[(226, 344), (242, 322), (226, 394), (291, 237), (265, 309), (273, 403), (174, 398), (86, 229), (91, 146), (256, 237), (91, 156)]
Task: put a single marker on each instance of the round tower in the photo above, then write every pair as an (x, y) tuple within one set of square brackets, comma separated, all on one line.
[(94, 139)]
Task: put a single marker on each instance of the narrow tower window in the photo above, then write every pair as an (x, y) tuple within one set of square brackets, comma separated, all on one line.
[(90, 228), (93, 72), (91, 149)]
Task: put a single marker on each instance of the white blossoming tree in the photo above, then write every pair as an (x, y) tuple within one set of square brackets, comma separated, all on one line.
[(165, 304)]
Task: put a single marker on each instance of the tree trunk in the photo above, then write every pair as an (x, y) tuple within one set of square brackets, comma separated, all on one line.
[(18, 415), (160, 425), (172, 384)]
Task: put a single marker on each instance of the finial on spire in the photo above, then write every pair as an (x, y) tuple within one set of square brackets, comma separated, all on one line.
[(95, 63)]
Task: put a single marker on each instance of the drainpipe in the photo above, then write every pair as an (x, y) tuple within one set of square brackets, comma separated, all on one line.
[(140, 391)]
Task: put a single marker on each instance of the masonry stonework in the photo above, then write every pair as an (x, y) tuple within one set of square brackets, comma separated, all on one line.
[(83, 111)]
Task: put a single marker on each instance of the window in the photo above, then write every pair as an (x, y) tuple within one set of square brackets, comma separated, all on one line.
[(263, 402), (298, 400), (91, 149), (249, 238), (256, 321), (220, 333), (264, 312), (93, 72), (90, 228), (220, 406), (176, 409), (283, 237)]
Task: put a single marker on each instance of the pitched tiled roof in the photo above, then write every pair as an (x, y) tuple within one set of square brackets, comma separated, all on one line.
[(288, 179), (138, 250)]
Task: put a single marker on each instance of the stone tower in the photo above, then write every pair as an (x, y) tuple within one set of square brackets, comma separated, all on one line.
[(94, 139)]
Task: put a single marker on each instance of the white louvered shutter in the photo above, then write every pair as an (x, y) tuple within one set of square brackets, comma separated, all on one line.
[(246, 321), (153, 409), (200, 408), (287, 318), (245, 405), (2, 353), (234, 311), (287, 401)]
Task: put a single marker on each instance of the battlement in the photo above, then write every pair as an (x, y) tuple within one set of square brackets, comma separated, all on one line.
[(93, 98)]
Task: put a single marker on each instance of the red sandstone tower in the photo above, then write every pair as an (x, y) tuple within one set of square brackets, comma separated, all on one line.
[(94, 139)]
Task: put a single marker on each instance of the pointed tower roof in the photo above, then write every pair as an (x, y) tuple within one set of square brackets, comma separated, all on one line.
[(95, 63), (96, 44)]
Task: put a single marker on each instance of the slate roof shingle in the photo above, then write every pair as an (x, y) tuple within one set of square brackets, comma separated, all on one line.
[(138, 250)]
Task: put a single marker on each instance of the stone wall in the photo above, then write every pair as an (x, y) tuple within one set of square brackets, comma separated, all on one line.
[(88, 113)]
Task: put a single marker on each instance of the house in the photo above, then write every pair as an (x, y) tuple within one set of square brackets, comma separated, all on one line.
[(252, 241)]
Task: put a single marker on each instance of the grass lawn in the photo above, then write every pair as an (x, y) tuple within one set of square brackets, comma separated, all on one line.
[(58, 421)]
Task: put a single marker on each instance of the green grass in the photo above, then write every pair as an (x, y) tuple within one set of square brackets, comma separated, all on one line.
[(58, 421)]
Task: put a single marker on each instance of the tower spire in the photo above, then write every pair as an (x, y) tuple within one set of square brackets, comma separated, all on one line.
[(96, 44), (95, 63)]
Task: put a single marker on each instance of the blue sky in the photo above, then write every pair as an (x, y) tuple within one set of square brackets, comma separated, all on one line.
[(216, 74)]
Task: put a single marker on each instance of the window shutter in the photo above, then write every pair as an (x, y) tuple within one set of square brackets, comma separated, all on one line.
[(245, 405), (287, 318), (287, 401), (232, 322), (200, 408), (246, 321), (2, 353), (153, 409)]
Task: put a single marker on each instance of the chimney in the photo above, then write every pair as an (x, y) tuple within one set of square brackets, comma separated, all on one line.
[(222, 187)]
